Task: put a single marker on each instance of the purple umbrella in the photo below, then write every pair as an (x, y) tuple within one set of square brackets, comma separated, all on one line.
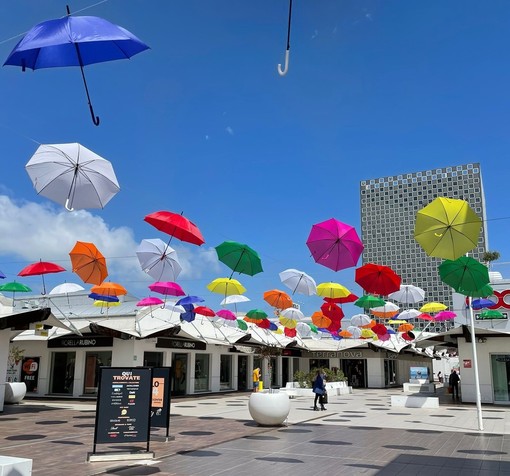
[(334, 244)]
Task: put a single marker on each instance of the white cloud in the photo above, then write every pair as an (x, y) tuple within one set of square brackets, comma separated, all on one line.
[(30, 232), (229, 130)]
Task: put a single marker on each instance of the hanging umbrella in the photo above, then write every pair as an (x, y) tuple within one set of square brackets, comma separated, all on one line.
[(88, 263), (345, 334), (410, 314), (367, 301), (287, 322), (187, 300), (433, 307), (176, 226), (292, 313), (150, 301), (303, 329), (425, 317), (408, 294), (343, 300), (189, 314), (256, 314), (99, 303), (66, 288), (167, 288), (103, 297), (334, 244), (492, 314), (234, 299), (278, 299), (283, 71), (41, 268), (226, 314), (387, 310), (333, 311), (72, 175), (158, 260), (332, 290), (380, 330), (447, 228), (368, 334), (445, 316), (226, 286), (14, 287), (483, 292), (482, 303), (298, 281), (464, 274), (354, 331), (405, 327), (240, 258), (360, 320), (74, 41), (377, 279), (204, 311), (109, 289), (320, 320)]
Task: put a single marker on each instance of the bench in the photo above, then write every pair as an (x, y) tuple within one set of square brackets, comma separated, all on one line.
[(294, 389)]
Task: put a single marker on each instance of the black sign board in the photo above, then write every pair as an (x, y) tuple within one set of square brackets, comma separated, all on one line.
[(30, 373), (160, 403), (123, 405), (84, 341), (180, 344)]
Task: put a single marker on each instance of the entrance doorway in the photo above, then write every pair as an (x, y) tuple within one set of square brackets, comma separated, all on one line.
[(500, 364), (355, 370), (62, 372), (242, 373), (180, 366), (285, 370)]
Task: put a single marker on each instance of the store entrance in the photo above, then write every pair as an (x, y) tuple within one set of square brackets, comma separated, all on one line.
[(180, 365), (242, 373), (355, 370), (62, 372), (500, 364)]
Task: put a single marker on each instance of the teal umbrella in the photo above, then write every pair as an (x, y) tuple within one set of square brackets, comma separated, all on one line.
[(465, 275), (239, 258)]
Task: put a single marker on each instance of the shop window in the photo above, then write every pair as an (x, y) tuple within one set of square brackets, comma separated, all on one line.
[(62, 372), (201, 372), (225, 372)]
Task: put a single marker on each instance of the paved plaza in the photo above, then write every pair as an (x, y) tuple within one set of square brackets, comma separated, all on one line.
[(215, 435)]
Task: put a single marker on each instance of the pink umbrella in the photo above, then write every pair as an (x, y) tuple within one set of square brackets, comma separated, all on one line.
[(445, 316), (226, 314), (167, 288), (334, 244), (149, 301)]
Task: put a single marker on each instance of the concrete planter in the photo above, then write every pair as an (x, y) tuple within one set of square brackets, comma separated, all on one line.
[(15, 392), (269, 408)]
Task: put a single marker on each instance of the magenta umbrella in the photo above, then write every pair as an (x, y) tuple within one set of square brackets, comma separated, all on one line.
[(444, 316), (168, 288), (334, 244), (226, 314), (150, 301)]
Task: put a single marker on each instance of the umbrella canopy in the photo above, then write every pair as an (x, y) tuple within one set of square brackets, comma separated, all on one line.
[(292, 313), (368, 301), (405, 327), (256, 314), (464, 274), (332, 290), (320, 320), (158, 260), (343, 300), (15, 287), (278, 299), (483, 292), (240, 258), (354, 331), (447, 228), (444, 316), (492, 314), (387, 310), (409, 314), (99, 303), (187, 300), (333, 311), (150, 301), (334, 244), (189, 314), (176, 226), (482, 303), (377, 279), (204, 311), (41, 268), (66, 288), (167, 288), (408, 294), (298, 281), (74, 41), (226, 286), (72, 175), (433, 307), (109, 289), (287, 322), (88, 263), (360, 320), (103, 297), (226, 314), (234, 299)]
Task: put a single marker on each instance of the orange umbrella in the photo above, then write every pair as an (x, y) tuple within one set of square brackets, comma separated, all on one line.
[(278, 299), (88, 263), (345, 334), (320, 320), (369, 325), (405, 327), (109, 289)]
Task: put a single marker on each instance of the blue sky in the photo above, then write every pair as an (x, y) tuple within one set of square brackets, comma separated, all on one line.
[(203, 124)]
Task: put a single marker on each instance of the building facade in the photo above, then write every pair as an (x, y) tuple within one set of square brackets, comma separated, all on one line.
[(388, 213)]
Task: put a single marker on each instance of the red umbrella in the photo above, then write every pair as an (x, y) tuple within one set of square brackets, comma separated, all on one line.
[(289, 332), (204, 311), (264, 323), (380, 329), (332, 310), (334, 244), (41, 268), (176, 226), (343, 300), (377, 279)]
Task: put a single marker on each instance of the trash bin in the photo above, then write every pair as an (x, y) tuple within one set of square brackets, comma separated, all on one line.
[(261, 385)]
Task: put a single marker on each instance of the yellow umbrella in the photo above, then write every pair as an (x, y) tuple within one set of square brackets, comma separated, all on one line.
[(433, 307), (332, 290), (368, 334), (447, 228), (106, 303), (226, 286), (396, 321), (288, 322)]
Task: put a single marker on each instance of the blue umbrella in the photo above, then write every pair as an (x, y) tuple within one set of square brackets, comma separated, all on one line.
[(74, 41), (2, 275), (482, 303), (190, 314), (189, 300), (102, 297)]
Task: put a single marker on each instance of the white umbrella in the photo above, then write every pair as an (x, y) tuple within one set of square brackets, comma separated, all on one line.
[(234, 299), (292, 313), (303, 329), (158, 260), (408, 314), (66, 288), (355, 331), (360, 320), (408, 294), (298, 281), (72, 175)]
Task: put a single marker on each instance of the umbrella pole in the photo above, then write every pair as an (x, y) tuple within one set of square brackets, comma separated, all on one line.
[(283, 72), (475, 367)]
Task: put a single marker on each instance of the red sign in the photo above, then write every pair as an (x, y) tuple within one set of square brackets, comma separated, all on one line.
[(466, 363)]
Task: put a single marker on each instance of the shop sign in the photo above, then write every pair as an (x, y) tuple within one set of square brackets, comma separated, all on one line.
[(291, 353), (391, 356), (466, 363), (85, 341), (180, 344), (503, 358), (348, 354), (160, 403), (30, 373)]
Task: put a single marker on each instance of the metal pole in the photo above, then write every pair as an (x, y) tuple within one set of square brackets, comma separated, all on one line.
[(475, 367)]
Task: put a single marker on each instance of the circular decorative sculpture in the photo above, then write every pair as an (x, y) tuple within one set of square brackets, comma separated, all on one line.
[(269, 408)]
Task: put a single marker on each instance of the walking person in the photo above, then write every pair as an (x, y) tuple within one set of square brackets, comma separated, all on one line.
[(440, 377), (453, 382), (318, 388)]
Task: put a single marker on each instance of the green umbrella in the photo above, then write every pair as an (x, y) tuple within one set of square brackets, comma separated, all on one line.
[(367, 301), (491, 314), (242, 325), (465, 275), (482, 292), (239, 258), (15, 287), (256, 314)]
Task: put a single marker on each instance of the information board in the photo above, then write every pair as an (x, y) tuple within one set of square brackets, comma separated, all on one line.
[(160, 404), (123, 405)]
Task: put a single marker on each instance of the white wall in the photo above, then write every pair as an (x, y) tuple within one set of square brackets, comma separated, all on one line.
[(5, 336)]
